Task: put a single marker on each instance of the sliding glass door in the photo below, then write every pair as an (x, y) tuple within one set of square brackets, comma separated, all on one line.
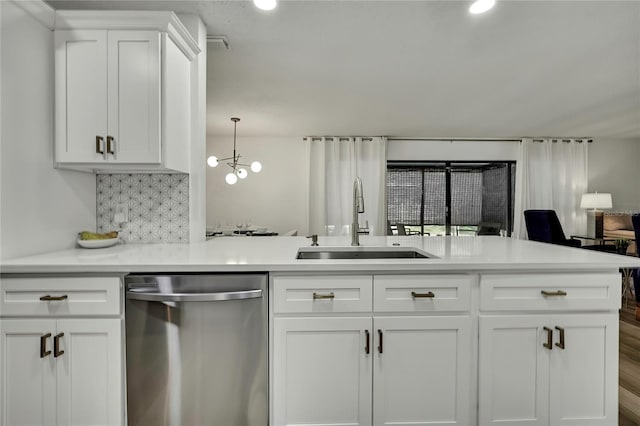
[(450, 198)]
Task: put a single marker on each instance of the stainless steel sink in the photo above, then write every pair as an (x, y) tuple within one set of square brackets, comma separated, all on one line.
[(361, 253)]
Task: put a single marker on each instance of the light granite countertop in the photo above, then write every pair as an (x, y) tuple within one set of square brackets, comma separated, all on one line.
[(277, 254)]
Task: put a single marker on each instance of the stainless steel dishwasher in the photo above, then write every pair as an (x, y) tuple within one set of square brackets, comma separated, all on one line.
[(196, 350)]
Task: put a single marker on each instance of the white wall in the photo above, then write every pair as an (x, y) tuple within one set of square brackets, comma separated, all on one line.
[(614, 167), (441, 150), (276, 197), (41, 209)]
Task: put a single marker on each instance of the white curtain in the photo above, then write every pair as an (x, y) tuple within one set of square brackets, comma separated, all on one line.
[(334, 164), (552, 174)]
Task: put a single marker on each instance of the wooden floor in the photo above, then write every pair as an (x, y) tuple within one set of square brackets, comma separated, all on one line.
[(629, 389)]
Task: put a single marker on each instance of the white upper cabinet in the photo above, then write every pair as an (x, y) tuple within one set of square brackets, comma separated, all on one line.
[(81, 81), (123, 91)]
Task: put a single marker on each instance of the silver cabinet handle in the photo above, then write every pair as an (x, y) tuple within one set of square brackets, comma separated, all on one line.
[(150, 296)]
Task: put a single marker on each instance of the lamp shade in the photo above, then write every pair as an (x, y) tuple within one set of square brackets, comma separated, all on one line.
[(596, 201)]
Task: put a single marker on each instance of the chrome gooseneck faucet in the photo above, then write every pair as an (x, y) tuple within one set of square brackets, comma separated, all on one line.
[(358, 207)]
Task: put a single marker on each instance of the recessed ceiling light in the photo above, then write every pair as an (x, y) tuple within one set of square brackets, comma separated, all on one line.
[(481, 6), (265, 4)]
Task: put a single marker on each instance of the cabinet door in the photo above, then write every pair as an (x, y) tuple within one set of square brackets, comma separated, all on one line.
[(81, 95), (27, 380), (422, 370), (513, 365), (134, 96), (583, 375), (321, 371), (89, 372)]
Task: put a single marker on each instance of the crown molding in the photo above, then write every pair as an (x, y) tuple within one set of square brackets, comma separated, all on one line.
[(38, 9), (129, 20)]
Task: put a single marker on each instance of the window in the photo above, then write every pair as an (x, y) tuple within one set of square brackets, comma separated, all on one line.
[(450, 198)]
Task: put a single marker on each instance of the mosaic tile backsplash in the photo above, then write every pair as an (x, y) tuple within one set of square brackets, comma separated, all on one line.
[(158, 206)]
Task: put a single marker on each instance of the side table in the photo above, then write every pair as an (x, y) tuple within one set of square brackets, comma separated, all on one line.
[(627, 273), (598, 240), (627, 287)]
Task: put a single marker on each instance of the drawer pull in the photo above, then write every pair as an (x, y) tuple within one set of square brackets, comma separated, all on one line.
[(317, 296), (43, 345), (553, 293), (549, 343), (427, 295), (367, 346), (379, 341), (561, 343), (49, 298), (56, 345)]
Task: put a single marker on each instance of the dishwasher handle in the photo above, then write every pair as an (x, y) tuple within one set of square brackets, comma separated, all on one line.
[(151, 296)]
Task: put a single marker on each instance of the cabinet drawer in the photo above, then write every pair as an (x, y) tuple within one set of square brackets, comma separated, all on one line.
[(84, 296), (326, 294), (421, 293), (539, 292)]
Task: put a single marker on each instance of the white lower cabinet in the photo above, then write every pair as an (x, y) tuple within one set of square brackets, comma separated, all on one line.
[(61, 372), (322, 373), (336, 362), (422, 370), (61, 351), (89, 373), (28, 387), (548, 370), (328, 371), (434, 349)]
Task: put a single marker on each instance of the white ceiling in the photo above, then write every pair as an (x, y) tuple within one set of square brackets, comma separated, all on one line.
[(418, 68)]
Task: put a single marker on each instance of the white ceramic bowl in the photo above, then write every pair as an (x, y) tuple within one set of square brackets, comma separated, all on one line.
[(98, 243)]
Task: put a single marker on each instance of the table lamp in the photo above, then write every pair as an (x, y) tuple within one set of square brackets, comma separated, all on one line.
[(595, 201)]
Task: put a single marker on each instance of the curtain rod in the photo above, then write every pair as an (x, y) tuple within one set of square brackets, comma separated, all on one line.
[(455, 139), (346, 138), (579, 140), (342, 138)]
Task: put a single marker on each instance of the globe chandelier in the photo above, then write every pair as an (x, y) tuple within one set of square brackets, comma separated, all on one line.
[(238, 169)]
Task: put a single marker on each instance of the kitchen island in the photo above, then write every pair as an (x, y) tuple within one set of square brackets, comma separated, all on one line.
[(488, 330), (277, 254)]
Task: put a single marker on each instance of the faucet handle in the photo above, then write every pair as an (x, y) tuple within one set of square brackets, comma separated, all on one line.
[(314, 239)]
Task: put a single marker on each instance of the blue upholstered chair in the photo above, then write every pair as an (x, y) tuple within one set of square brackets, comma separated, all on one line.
[(544, 226)]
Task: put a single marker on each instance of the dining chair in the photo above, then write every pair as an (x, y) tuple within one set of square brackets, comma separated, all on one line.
[(488, 228), (405, 231)]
